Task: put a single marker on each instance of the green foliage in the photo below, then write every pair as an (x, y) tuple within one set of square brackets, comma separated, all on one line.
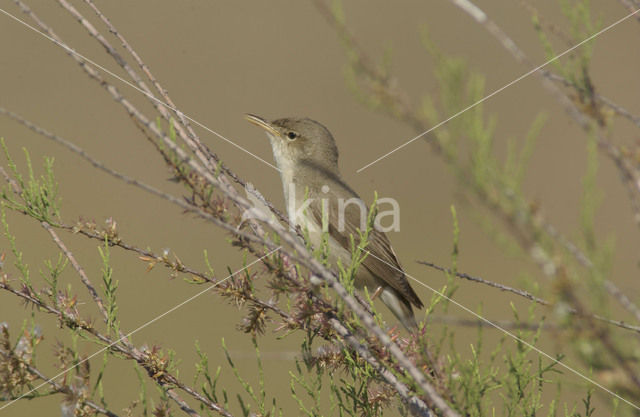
[(486, 178), (526, 376), (358, 248), (142, 395), (504, 379), (109, 286), (52, 276), (582, 26), (15, 359), (467, 142), (36, 197), (311, 386), (354, 388), (516, 162), (575, 67), (259, 398), (19, 263), (210, 382)]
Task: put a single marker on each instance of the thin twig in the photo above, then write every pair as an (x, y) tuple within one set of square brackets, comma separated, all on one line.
[(165, 379), (83, 276), (602, 334), (300, 251), (631, 5), (501, 287), (208, 158), (60, 388), (505, 324), (528, 296), (416, 406), (129, 180), (602, 99), (629, 175), (584, 260)]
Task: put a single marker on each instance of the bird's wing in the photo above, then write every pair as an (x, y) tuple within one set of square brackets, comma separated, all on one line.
[(381, 260)]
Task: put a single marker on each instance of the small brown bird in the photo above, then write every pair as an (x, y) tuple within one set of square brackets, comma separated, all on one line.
[(318, 200)]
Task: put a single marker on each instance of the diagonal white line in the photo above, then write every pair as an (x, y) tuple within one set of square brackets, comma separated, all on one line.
[(153, 320), (508, 333), (525, 75), (72, 51)]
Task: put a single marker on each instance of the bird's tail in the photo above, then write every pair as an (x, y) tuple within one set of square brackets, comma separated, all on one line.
[(400, 307)]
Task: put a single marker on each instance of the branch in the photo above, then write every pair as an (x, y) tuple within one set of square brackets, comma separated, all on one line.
[(529, 296), (204, 169), (632, 6), (165, 379), (128, 180), (83, 276), (210, 159), (57, 388), (300, 252), (629, 175)]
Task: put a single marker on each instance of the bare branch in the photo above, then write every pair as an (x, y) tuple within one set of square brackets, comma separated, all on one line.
[(300, 251), (629, 175), (59, 388), (604, 100), (632, 6), (83, 276), (164, 379), (528, 296)]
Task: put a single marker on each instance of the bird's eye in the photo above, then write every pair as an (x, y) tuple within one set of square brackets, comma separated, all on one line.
[(292, 135)]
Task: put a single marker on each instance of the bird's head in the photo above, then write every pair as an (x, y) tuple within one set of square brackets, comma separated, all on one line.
[(294, 140)]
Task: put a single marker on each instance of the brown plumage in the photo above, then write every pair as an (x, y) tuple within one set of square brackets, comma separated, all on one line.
[(307, 157)]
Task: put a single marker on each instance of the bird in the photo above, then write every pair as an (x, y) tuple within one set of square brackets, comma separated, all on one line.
[(321, 203)]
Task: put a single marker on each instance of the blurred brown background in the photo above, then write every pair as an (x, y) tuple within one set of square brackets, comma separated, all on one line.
[(280, 58)]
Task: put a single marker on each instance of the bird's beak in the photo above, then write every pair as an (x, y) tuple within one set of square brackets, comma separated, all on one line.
[(259, 121)]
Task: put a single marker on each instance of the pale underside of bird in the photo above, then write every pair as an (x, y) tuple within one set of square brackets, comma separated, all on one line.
[(322, 204)]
